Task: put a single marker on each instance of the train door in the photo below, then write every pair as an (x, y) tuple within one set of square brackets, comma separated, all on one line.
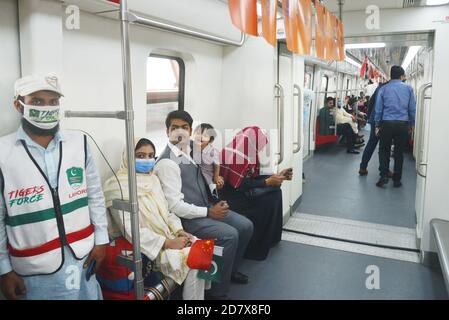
[(287, 92)]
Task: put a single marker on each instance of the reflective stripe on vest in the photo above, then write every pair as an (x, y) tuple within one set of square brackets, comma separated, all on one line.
[(41, 219)]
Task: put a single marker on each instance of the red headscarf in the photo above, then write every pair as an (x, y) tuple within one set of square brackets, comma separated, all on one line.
[(242, 155)]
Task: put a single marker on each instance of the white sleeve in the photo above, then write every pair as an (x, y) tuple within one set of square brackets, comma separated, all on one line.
[(169, 175)]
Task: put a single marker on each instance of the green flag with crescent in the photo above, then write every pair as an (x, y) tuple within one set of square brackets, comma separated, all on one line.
[(214, 273)]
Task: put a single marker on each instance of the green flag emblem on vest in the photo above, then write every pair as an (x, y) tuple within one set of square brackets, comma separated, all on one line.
[(214, 273), (75, 177)]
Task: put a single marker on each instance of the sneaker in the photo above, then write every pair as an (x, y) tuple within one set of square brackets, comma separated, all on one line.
[(382, 181), (363, 172)]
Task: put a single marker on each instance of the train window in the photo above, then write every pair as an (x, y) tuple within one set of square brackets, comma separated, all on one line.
[(308, 80), (325, 85), (348, 80), (165, 93)]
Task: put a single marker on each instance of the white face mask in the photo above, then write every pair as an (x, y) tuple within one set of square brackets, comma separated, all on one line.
[(45, 117)]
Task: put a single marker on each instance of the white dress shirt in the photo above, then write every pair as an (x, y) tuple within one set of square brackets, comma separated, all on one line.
[(169, 174)]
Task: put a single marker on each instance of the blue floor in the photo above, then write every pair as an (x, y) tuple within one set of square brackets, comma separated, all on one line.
[(297, 271), (334, 188)]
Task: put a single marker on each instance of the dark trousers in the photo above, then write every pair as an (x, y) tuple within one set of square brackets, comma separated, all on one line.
[(369, 149), (389, 131), (345, 130)]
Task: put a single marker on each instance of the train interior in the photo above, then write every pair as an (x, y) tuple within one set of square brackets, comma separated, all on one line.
[(338, 227)]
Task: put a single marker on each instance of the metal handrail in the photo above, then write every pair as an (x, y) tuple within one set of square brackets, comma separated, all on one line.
[(279, 96), (156, 24), (421, 97), (297, 145)]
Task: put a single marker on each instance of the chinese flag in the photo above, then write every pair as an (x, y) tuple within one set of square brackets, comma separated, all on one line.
[(363, 68), (244, 15), (298, 25), (320, 36), (341, 41), (200, 255), (269, 25)]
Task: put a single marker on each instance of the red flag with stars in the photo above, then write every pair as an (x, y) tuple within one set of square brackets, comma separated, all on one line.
[(200, 254)]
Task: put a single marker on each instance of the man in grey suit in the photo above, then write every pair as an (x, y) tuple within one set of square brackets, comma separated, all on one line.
[(189, 197)]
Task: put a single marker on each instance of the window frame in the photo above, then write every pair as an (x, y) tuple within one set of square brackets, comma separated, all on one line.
[(182, 73)]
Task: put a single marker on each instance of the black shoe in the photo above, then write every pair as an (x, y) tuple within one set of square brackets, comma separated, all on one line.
[(397, 184), (382, 181), (360, 141), (208, 296), (240, 278), (353, 151)]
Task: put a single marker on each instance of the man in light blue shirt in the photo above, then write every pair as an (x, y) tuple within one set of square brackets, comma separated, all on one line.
[(37, 99), (395, 111)]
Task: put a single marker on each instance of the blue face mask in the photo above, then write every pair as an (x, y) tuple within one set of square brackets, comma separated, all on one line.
[(145, 165), (339, 104)]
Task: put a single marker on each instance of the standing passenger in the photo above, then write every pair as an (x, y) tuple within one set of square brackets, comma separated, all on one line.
[(395, 116), (52, 214)]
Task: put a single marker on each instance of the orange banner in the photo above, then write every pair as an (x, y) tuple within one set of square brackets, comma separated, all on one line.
[(244, 15), (320, 36), (334, 38), (341, 41), (269, 25), (298, 25), (329, 35)]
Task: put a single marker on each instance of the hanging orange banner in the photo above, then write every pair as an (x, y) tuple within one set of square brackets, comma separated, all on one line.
[(269, 15), (334, 38), (320, 36), (244, 15), (328, 34), (341, 41), (298, 25)]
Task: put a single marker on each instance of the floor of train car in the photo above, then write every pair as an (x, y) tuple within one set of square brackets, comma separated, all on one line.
[(334, 188), (298, 271)]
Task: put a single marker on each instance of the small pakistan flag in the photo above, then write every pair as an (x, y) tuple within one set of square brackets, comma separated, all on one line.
[(75, 177), (34, 113), (214, 273)]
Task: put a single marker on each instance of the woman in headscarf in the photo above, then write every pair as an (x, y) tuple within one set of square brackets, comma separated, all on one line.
[(162, 238), (257, 197)]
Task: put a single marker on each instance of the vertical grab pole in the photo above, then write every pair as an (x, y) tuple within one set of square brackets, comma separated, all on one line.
[(132, 181)]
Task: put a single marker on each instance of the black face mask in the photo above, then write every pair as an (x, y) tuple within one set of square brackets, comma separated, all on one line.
[(38, 131)]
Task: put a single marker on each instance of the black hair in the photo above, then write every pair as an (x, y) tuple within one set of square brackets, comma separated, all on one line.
[(352, 101), (396, 72), (144, 142), (178, 114), (21, 98), (370, 81), (210, 130)]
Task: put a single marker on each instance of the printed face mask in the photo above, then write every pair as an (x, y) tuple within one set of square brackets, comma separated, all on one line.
[(144, 165), (45, 117)]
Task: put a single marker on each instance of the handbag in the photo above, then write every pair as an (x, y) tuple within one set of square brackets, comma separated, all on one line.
[(257, 192)]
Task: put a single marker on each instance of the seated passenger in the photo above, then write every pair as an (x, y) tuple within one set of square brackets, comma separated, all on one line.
[(191, 200), (257, 197), (162, 238), (341, 117), (326, 120), (207, 156)]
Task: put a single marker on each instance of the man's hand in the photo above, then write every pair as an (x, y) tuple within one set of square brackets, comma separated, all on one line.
[(98, 254), (287, 173), (12, 286), (177, 243), (275, 180), (219, 211)]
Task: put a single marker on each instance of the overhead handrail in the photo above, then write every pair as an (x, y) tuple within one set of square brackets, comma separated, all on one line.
[(297, 145), (279, 96), (170, 27), (421, 97)]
